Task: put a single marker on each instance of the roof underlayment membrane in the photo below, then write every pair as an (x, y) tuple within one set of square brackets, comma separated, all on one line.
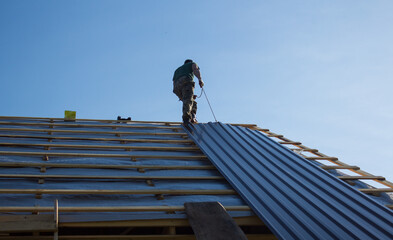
[(84, 200)]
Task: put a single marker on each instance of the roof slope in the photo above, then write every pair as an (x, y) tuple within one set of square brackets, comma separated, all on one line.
[(294, 197), (102, 165)]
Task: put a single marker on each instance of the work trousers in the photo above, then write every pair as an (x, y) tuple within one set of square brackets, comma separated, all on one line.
[(184, 89)]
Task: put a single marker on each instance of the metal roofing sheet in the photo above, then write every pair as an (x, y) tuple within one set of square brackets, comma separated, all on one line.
[(294, 197)]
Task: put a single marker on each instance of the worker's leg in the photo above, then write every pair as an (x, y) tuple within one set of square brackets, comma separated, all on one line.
[(194, 111), (177, 89), (188, 100)]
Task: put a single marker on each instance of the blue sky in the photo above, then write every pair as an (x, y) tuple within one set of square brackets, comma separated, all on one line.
[(319, 72)]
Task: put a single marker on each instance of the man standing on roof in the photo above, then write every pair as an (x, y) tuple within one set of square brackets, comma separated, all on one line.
[(183, 87)]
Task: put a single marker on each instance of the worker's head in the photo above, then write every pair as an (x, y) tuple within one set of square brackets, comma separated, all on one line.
[(187, 61)]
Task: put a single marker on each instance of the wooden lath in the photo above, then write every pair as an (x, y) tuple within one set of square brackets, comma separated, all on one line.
[(130, 192), (124, 140), (112, 209), (52, 120), (106, 166), (50, 131), (103, 155), (47, 176), (77, 125), (130, 237), (102, 147), (334, 160)]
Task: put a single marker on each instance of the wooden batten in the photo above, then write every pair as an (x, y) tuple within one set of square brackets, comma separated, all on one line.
[(51, 131), (45, 165), (66, 154), (110, 147), (112, 209), (27, 223), (180, 141), (107, 191)]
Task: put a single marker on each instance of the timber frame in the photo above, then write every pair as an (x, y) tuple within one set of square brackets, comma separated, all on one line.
[(66, 140), (117, 135)]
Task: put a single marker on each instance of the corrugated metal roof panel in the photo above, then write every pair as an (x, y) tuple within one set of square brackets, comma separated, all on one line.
[(294, 197)]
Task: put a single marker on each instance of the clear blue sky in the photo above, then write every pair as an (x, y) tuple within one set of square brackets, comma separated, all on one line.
[(319, 72)]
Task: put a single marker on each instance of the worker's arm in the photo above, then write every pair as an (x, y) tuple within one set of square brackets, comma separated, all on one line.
[(197, 74)]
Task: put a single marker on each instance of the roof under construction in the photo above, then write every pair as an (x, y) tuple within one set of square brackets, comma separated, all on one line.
[(131, 179)]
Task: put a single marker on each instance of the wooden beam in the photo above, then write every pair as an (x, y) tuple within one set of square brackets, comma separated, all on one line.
[(275, 135), (112, 177), (291, 143), (107, 121), (360, 177), (56, 219), (129, 237), (139, 191), (139, 148), (87, 120), (241, 221), (93, 132), (100, 166), (339, 167), (89, 125), (181, 141), (27, 223), (304, 150), (112, 209), (322, 158), (375, 190), (58, 154)]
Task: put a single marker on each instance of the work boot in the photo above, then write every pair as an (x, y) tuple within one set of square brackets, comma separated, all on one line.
[(187, 123), (186, 120), (194, 121), (193, 118)]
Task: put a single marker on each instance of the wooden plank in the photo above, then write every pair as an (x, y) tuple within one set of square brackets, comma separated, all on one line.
[(108, 121), (58, 154), (322, 158), (78, 125), (241, 221), (28, 223), (139, 191), (104, 237), (92, 132), (291, 143), (340, 167), (122, 147), (181, 141), (275, 135), (87, 120), (111, 177), (360, 177), (375, 190), (129, 237), (112, 209), (210, 221), (56, 220), (100, 166), (304, 150)]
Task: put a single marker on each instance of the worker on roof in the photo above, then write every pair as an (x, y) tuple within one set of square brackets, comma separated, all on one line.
[(183, 87)]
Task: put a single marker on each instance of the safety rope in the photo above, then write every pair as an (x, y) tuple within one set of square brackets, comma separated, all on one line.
[(211, 109)]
